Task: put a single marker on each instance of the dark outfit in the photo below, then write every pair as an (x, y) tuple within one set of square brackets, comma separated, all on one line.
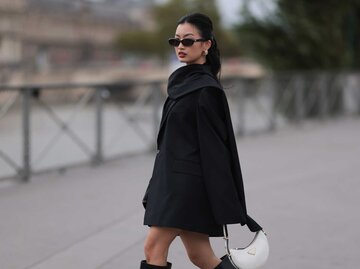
[(196, 183)]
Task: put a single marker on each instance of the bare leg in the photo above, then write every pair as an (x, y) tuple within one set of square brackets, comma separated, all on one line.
[(157, 244), (199, 250)]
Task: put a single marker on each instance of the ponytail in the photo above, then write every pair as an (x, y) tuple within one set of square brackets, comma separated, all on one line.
[(213, 58)]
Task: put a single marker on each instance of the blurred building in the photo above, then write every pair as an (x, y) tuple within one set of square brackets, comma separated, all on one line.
[(11, 12), (40, 34)]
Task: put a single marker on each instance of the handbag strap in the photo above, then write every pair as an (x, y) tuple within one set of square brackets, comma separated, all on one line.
[(252, 225), (226, 239)]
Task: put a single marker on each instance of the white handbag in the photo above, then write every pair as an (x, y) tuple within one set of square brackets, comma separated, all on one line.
[(251, 257)]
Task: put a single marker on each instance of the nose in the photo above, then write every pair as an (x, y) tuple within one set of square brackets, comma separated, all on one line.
[(181, 45)]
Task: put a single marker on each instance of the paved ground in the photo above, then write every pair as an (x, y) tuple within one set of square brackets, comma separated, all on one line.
[(302, 184)]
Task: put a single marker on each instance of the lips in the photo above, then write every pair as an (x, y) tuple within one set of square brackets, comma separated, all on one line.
[(182, 54)]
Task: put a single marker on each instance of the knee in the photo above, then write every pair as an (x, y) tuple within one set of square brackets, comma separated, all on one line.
[(197, 259), (157, 244), (153, 251), (149, 249), (203, 260)]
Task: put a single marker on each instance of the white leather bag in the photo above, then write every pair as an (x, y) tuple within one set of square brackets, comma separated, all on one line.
[(253, 256)]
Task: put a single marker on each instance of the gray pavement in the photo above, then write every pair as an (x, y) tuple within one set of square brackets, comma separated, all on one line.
[(302, 184)]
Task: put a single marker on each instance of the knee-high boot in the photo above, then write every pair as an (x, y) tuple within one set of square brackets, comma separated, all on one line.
[(225, 263), (145, 265)]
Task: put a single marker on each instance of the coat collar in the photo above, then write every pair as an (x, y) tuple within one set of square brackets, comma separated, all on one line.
[(189, 78)]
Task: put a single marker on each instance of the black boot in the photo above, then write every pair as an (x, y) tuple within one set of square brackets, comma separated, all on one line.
[(225, 263), (145, 265)]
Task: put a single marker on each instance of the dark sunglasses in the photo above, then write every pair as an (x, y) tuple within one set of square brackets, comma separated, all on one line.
[(187, 42)]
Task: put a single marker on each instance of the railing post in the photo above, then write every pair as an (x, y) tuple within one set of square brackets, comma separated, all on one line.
[(241, 109), (98, 157), (26, 103), (272, 94), (358, 94), (323, 98), (299, 98), (156, 104)]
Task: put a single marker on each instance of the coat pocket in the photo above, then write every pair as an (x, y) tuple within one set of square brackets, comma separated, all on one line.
[(187, 167)]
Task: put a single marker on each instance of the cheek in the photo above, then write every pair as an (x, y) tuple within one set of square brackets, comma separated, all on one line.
[(197, 51)]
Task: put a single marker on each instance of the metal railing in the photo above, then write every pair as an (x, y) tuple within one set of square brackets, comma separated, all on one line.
[(86, 115)]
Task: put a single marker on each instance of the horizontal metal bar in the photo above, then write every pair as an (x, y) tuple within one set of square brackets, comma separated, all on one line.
[(136, 81), (278, 83), (62, 86)]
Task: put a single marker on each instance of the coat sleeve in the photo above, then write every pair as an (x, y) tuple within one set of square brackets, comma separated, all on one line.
[(216, 160)]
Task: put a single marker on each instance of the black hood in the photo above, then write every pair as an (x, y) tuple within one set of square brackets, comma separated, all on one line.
[(190, 78)]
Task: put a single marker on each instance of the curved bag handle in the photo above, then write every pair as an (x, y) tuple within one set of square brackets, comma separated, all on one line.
[(253, 256)]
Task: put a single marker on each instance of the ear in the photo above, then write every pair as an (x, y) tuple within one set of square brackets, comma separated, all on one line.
[(208, 44)]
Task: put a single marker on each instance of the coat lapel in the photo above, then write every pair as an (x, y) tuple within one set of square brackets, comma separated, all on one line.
[(169, 104), (181, 82)]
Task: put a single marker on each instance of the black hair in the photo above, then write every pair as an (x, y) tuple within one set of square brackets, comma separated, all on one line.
[(204, 24)]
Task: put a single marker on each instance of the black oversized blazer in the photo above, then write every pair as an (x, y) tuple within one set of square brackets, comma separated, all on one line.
[(196, 182)]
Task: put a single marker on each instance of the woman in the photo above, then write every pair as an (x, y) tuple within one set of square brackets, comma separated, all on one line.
[(196, 185)]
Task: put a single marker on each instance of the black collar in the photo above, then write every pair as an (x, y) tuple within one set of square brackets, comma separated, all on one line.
[(189, 78)]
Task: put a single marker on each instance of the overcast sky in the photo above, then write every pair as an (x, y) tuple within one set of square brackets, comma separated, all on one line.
[(229, 10)]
